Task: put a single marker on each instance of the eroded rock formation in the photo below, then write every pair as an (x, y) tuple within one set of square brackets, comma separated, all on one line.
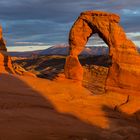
[(21, 71), (125, 70), (6, 65), (2, 41), (5, 59)]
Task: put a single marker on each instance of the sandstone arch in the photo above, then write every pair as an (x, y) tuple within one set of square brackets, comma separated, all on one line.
[(125, 70)]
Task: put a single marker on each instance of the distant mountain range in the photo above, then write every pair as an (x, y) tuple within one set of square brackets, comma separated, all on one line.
[(63, 50)]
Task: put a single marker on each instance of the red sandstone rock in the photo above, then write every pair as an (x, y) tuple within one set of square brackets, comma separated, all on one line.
[(125, 70), (5, 63), (21, 71), (73, 68), (2, 41), (5, 59)]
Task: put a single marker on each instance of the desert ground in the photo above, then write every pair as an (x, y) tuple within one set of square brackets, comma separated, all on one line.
[(54, 108)]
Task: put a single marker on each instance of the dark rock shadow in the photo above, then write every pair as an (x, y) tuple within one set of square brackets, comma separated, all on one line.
[(122, 125), (48, 67), (99, 60)]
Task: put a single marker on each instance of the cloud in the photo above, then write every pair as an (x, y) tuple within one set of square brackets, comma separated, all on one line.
[(27, 48), (49, 21), (30, 43)]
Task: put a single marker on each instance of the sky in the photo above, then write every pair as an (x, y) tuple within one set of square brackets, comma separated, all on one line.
[(47, 22)]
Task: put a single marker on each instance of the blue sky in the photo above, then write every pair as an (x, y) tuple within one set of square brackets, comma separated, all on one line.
[(41, 22)]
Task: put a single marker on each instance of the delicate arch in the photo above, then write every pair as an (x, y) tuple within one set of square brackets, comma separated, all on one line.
[(122, 50)]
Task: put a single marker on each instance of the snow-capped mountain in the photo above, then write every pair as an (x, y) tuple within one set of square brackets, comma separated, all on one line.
[(63, 49)]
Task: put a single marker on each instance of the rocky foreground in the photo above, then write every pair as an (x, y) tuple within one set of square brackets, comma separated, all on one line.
[(39, 109), (34, 108)]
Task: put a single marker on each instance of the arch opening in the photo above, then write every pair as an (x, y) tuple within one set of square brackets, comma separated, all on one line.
[(96, 41), (95, 63)]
